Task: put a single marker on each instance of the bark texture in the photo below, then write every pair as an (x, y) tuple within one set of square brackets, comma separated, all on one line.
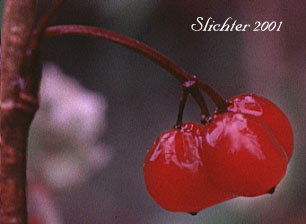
[(17, 110)]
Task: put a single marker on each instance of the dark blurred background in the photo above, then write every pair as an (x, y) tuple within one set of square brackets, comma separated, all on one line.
[(142, 99)]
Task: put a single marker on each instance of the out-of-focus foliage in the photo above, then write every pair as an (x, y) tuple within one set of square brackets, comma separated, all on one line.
[(64, 150), (64, 137)]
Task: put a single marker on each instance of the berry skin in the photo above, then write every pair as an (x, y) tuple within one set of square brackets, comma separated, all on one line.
[(270, 113), (175, 175), (243, 156)]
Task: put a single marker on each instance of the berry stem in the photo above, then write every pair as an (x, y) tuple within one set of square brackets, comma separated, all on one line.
[(42, 24), (201, 102), (183, 99), (142, 49), (49, 14), (191, 87)]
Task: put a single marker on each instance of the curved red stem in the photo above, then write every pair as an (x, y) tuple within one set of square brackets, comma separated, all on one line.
[(140, 48), (47, 16)]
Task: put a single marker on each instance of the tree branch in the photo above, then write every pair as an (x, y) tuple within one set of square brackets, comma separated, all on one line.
[(17, 110)]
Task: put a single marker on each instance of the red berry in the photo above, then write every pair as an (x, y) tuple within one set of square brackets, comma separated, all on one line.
[(270, 113), (174, 173), (242, 154)]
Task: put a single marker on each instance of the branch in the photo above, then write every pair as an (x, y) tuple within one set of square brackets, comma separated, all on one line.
[(16, 110)]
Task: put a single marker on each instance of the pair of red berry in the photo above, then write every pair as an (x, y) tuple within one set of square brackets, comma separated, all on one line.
[(241, 152)]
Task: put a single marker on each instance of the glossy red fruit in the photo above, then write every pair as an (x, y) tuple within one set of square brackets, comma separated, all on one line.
[(175, 175), (242, 154), (270, 113)]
